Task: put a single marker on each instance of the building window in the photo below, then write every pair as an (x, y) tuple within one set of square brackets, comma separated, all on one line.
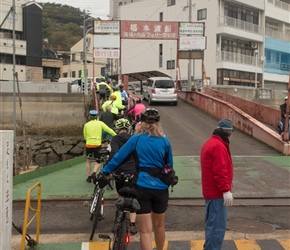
[(171, 64), (73, 57), (80, 73), (201, 14), (161, 17), (160, 54), (170, 2), (73, 74)]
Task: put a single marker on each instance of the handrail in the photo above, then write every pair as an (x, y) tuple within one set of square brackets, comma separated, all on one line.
[(26, 223)]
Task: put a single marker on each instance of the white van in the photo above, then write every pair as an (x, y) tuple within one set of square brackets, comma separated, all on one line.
[(160, 89)]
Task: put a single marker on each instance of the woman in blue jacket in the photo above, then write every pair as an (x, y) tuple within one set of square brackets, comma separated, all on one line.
[(153, 150)]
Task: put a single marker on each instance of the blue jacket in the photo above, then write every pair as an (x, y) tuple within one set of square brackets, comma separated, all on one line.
[(151, 151)]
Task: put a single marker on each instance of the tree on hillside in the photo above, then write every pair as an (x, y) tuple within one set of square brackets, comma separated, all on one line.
[(61, 25)]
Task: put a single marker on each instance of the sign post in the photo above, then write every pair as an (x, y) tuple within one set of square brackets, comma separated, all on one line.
[(6, 172)]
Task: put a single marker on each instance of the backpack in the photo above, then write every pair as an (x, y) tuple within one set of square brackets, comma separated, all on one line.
[(103, 89)]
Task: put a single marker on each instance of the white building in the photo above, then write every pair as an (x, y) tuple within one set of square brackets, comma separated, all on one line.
[(28, 41), (94, 66), (248, 42)]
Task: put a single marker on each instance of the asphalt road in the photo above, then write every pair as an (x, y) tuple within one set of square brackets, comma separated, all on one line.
[(187, 129)]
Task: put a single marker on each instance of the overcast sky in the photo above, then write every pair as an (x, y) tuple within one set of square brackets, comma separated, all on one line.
[(97, 8)]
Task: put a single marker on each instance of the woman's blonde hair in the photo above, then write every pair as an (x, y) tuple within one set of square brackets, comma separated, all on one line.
[(153, 129)]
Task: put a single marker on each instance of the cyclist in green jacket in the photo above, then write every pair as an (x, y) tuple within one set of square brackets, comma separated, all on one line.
[(93, 135)]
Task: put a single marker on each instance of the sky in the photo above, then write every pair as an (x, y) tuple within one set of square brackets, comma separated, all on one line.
[(96, 8)]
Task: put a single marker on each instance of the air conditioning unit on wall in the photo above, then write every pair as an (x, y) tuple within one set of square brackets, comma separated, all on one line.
[(254, 45)]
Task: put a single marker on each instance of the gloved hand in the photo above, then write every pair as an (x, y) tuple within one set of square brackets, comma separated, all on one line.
[(228, 199)]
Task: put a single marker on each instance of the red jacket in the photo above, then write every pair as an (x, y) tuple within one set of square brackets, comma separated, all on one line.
[(216, 168)]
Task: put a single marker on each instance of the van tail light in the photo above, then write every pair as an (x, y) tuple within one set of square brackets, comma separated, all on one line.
[(153, 91), (175, 91)]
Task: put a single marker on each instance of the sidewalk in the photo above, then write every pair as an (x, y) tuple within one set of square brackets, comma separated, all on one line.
[(182, 239)]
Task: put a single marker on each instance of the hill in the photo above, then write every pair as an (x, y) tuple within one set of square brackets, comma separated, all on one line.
[(62, 25)]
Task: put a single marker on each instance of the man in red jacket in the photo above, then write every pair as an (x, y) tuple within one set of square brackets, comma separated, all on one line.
[(217, 176)]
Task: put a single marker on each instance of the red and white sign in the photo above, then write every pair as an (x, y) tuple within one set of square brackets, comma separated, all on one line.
[(106, 53), (192, 43), (149, 30)]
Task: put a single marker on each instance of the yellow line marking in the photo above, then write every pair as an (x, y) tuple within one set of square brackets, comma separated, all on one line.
[(285, 244), (247, 245), (97, 246), (164, 247), (196, 244)]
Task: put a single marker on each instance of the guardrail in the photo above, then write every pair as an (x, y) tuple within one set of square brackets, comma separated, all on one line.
[(28, 207), (241, 120)]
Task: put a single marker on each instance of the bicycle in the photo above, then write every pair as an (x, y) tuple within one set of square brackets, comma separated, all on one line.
[(100, 181), (125, 204)]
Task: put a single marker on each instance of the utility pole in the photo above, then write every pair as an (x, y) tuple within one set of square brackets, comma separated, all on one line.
[(189, 60), (85, 56)]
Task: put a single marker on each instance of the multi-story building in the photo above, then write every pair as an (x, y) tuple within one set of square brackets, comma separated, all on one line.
[(28, 40), (248, 42), (74, 69)]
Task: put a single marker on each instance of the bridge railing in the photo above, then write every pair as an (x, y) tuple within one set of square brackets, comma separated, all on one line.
[(241, 120)]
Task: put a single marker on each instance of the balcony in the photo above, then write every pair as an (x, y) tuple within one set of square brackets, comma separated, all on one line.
[(278, 35), (278, 68), (225, 56), (280, 4), (225, 21), (7, 46)]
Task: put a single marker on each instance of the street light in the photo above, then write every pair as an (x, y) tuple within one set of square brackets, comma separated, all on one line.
[(256, 68)]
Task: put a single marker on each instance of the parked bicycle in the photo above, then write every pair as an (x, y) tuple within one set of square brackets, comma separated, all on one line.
[(125, 204), (100, 181)]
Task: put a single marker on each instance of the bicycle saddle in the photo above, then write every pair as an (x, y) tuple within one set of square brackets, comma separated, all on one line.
[(127, 191)]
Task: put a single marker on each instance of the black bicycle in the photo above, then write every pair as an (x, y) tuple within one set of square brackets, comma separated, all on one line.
[(125, 204), (100, 181)]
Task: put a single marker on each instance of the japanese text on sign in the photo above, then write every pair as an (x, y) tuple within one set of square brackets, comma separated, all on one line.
[(149, 30), (106, 27), (106, 53), (191, 29)]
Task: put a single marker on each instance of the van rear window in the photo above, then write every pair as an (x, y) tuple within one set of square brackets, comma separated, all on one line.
[(164, 84)]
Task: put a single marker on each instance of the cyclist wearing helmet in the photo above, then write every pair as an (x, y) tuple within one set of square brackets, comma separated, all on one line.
[(93, 135), (117, 93), (115, 106), (149, 145), (124, 94), (128, 167), (137, 109), (103, 88)]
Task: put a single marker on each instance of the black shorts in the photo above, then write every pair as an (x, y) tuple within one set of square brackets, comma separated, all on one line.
[(93, 152), (152, 200), (103, 96)]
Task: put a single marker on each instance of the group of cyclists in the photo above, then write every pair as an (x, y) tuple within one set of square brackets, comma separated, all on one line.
[(131, 152)]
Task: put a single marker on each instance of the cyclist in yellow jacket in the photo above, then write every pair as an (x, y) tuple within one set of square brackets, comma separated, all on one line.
[(93, 135), (116, 106)]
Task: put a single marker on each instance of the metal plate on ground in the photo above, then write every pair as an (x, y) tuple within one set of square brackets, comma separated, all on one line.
[(249, 226)]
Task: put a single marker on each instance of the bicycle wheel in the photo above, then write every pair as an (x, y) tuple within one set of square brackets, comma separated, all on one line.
[(96, 214), (120, 234)]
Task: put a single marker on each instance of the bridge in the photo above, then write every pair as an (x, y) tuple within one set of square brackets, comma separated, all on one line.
[(261, 185)]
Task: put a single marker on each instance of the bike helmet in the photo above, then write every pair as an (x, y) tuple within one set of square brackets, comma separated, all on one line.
[(286, 98), (113, 97), (150, 115), (93, 113), (122, 124)]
